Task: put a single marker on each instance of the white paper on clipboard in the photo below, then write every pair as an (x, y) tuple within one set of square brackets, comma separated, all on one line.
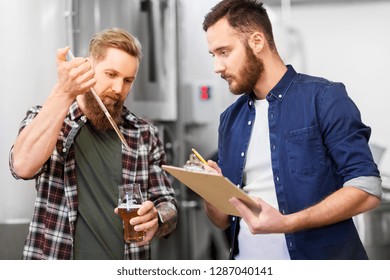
[(214, 188)]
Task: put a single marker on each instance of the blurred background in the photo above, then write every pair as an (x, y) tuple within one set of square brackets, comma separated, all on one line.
[(176, 88)]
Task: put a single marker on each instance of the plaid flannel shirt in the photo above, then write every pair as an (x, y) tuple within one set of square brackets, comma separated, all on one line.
[(52, 228)]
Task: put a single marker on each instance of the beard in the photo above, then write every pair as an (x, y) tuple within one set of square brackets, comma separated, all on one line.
[(248, 75), (96, 115)]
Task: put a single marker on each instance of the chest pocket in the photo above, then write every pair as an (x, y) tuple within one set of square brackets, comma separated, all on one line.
[(305, 151)]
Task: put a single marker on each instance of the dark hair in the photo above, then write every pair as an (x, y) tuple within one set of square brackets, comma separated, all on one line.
[(114, 38), (245, 16)]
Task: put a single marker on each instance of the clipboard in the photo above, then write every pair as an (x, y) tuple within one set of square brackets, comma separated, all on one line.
[(214, 188)]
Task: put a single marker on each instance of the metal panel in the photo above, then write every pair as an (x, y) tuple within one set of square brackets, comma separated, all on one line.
[(153, 22), (318, 2)]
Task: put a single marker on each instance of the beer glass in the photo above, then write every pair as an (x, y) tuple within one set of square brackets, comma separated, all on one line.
[(129, 201)]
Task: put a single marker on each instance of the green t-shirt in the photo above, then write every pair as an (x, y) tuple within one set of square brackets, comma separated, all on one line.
[(99, 231)]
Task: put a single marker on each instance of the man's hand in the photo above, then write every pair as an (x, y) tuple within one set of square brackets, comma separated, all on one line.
[(262, 218), (74, 77), (146, 221), (212, 167)]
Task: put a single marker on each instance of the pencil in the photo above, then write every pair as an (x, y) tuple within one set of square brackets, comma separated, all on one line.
[(199, 156)]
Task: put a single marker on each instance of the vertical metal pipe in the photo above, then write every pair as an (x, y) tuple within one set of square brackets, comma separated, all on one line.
[(180, 131), (286, 12), (96, 14), (68, 14)]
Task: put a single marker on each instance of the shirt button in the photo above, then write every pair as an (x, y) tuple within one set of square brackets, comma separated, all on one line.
[(280, 96), (238, 185), (250, 122), (277, 178), (64, 150), (273, 147), (242, 154), (250, 103), (233, 219)]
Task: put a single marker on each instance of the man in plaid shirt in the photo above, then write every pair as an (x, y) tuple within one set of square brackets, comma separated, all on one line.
[(77, 160)]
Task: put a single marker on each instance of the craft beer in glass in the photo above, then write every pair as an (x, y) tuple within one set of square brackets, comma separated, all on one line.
[(129, 201)]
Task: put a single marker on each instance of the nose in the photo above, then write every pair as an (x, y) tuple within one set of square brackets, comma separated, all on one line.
[(219, 67), (117, 85)]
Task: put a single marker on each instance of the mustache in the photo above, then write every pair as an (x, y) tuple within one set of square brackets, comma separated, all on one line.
[(113, 96), (226, 76)]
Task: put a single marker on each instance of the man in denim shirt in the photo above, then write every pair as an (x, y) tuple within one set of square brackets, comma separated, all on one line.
[(294, 142)]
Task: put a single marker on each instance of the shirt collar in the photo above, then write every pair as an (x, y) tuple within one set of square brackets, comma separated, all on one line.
[(281, 88), (75, 111)]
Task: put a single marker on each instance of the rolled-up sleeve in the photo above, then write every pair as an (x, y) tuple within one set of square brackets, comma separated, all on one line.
[(369, 184)]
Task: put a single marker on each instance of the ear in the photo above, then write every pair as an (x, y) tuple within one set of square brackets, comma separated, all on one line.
[(257, 42)]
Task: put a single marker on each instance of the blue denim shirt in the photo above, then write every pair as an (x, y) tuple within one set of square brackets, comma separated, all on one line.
[(318, 142)]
